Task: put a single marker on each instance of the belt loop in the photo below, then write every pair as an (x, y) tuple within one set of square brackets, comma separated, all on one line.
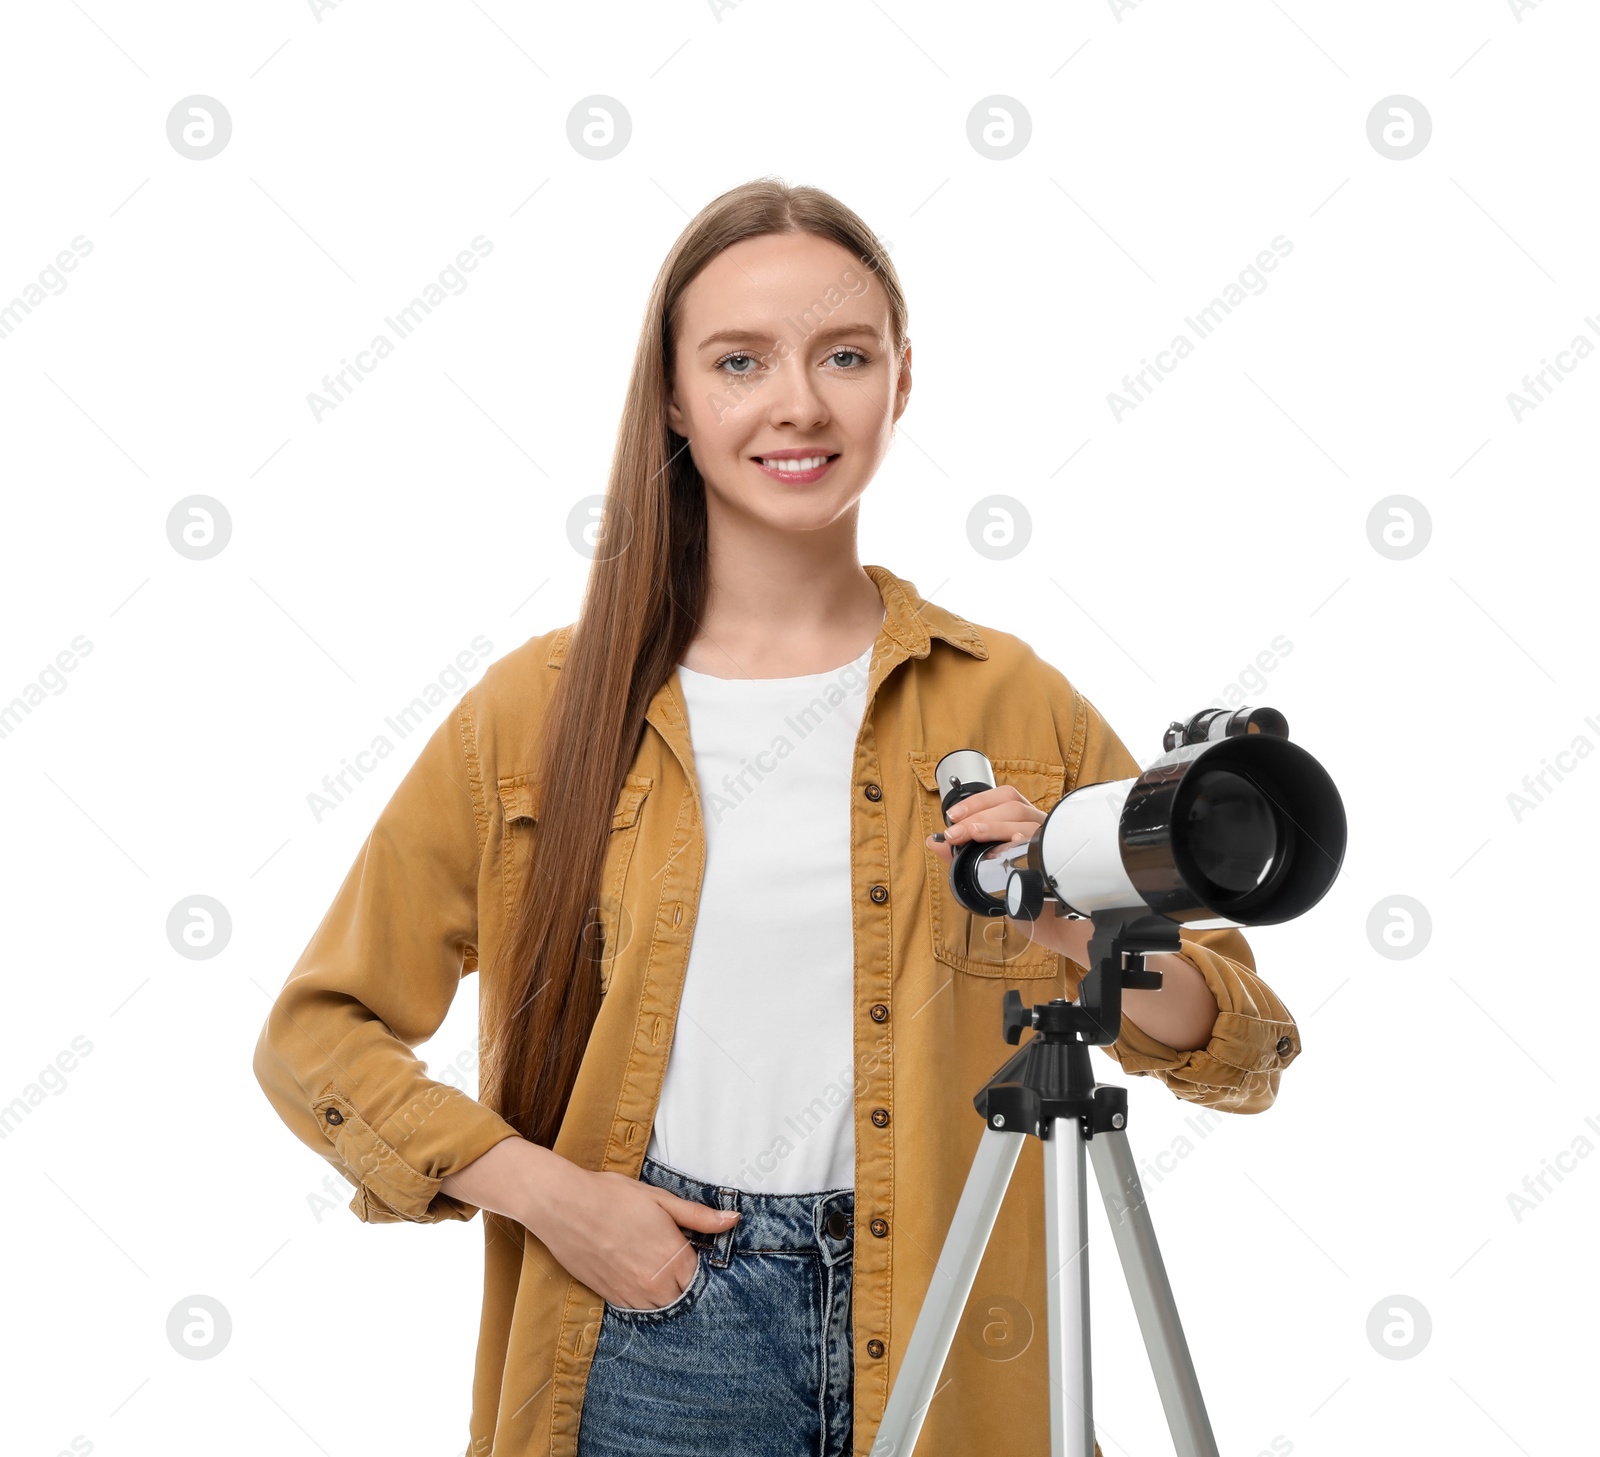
[(722, 1246)]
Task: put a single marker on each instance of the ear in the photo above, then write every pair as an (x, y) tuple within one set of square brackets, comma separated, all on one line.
[(675, 417), (902, 392)]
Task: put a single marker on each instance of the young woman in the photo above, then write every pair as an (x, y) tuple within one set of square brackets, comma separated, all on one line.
[(732, 1018)]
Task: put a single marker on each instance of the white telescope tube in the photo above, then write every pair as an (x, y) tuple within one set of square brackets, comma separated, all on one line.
[(1077, 846)]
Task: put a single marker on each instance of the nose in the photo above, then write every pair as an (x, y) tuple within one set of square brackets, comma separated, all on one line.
[(794, 398)]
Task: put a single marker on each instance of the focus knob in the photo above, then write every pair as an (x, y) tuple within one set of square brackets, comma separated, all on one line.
[(1025, 894)]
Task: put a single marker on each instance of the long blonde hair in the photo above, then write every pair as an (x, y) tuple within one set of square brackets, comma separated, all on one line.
[(641, 608)]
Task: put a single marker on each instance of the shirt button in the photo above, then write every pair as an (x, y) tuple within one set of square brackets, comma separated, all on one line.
[(874, 1348), (879, 1227), (878, 1012), (838, 1225), (879, 893), (880, 1117), (1285, 1046), (334, 1116), (872, 792)]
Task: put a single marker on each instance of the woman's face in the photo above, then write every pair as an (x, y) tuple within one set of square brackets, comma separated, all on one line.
[(783, 356)]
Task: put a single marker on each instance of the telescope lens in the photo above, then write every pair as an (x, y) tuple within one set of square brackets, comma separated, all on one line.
[(1231, 832), (1246, 828)]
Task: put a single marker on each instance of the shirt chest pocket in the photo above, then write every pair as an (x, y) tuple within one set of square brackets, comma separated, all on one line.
[(984, 945), (519, 806)]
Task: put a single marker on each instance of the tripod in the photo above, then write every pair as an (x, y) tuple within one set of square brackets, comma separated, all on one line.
[(1045, 1089)]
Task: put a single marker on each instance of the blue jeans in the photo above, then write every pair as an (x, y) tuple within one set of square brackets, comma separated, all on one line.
[(754, 1357)]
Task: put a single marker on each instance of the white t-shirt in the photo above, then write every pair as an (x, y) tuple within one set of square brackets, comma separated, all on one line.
[(759, 1088)]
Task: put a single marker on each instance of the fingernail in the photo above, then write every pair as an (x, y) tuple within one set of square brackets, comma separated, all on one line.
[(730, 1213)]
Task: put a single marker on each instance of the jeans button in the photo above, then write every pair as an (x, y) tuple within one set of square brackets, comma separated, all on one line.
[(838, 1225)]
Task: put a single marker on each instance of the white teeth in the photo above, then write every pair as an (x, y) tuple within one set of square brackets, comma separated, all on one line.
[(809, 462)]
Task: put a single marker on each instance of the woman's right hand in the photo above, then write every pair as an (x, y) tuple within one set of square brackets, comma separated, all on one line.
[(621, 1237)]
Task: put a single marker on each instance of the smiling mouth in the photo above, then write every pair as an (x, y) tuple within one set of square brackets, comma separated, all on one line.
[(804, 465)]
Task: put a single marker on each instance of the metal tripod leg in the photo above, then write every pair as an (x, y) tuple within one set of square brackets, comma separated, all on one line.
[(1066, 1232), (1066, 1245), (948, 1290), (1146, 1275)]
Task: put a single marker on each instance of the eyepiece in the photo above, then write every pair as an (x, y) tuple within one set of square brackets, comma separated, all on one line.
[(963, 773)]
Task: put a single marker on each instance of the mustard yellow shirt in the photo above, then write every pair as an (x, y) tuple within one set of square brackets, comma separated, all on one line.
[(428, 898)]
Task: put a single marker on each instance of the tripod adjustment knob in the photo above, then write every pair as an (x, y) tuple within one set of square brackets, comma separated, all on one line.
[(1025, 894), (1014, 1016)]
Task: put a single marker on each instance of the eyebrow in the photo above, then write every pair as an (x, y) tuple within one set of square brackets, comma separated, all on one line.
[(819, 336)]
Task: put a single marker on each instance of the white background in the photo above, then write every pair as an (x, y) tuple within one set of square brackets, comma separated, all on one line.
[(1170, 144)]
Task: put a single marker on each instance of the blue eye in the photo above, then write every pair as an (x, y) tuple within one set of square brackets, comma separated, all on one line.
[(728, 357), (858, 354)]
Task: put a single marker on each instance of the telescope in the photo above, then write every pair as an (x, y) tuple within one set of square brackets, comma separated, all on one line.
[(1232, 826)]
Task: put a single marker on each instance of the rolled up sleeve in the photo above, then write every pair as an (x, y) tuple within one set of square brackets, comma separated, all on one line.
[(335, 1056), (1254, 1037)]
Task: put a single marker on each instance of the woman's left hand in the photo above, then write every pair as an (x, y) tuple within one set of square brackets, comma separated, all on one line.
[(1003, 814)]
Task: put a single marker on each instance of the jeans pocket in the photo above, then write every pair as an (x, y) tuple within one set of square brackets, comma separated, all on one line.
[(687, 1298)]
